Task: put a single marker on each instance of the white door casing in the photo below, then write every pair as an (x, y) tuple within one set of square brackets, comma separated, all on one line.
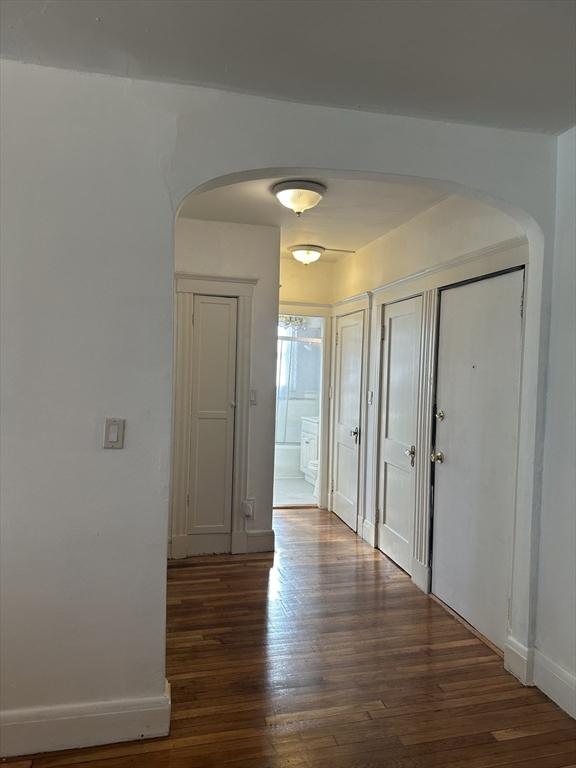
[(347, 416), (212, 413), (182, 543), (401, 332), (478, 379)]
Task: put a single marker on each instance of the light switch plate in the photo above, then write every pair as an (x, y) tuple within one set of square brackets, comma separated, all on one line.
[(248, 508), (114, 432)]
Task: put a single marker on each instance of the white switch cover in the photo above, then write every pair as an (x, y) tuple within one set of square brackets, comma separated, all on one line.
[(114, 433), (248, 507)]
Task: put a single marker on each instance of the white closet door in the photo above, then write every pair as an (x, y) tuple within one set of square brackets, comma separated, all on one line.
[(397, 486), (212, 415), (479, 353), (347, 406)]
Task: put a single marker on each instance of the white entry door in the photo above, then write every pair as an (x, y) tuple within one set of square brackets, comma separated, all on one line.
[(477, 397), (347, 410), (212, 415), (397, 475)]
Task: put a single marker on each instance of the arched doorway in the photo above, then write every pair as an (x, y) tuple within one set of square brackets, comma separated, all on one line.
[(483, 259)]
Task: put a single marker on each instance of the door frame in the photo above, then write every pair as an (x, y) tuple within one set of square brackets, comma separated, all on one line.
[(186, 286), (359, 303), (324, 311)]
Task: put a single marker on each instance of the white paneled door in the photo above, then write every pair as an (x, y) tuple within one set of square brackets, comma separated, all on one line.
[(347, 410), (212, 415), (477, 401), (397, 476)]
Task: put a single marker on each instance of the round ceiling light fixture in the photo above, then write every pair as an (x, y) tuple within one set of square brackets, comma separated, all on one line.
[(299, 196), (307, 254)]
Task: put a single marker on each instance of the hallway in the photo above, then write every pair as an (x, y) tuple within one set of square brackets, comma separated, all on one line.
[(330, 658)]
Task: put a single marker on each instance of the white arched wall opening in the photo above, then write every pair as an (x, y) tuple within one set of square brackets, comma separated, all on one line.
[(524, 566)]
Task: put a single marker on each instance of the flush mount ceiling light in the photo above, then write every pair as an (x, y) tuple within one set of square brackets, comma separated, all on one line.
[(299, 196), (307, 254)]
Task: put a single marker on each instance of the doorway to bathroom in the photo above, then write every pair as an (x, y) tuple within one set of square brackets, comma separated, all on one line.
[(299, 379)]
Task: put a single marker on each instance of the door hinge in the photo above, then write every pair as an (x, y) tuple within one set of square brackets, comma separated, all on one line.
[(187, 499), (330, 392), (522, 295), (337, 338), (383, 334)]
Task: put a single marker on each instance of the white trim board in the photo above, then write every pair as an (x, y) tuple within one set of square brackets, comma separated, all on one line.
[(352, 304), (182, 277), (236, 543), (421, 576), (260, 541), (555, 681), (47, 729), (367, 530), (308, 308), (519, 660), (252, 541), (189, 544)]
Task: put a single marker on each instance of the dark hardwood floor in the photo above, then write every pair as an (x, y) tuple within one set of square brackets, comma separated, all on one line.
[(326, 656)]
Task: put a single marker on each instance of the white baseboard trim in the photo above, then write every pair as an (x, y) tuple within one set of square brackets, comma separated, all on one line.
[(188, 545), (556, 682), (260, 541), (236, 543), (367, 531), (421, 576), (47, 729), (519, 660), (178, 547)]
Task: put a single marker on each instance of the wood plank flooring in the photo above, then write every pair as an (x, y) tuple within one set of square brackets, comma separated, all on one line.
[(326, 656)]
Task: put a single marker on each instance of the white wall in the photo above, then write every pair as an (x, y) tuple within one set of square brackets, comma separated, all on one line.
[(219, 249), (450, 229), (86, 332), (93, 170), (555, 658), (312, 283)]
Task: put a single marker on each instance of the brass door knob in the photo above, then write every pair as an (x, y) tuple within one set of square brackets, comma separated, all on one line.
[(437, 457)]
